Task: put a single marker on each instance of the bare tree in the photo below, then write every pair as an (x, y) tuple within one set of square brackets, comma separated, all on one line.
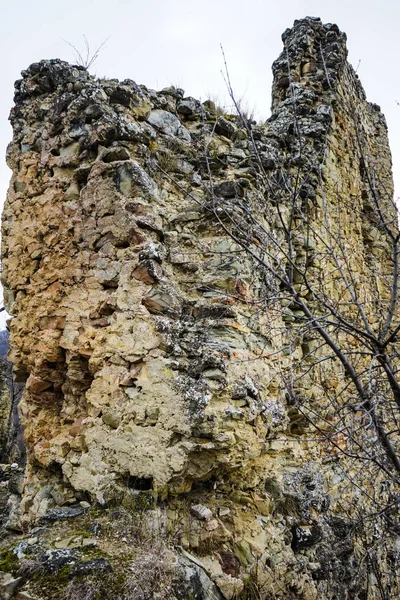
[(339, 301), (321, 281), (333, 306)]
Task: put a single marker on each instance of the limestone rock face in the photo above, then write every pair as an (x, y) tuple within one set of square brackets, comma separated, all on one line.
[(125, 293), (139, 324)]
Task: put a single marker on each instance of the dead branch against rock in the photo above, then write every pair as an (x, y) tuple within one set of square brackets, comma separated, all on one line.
[(317, 274), (358, 327)]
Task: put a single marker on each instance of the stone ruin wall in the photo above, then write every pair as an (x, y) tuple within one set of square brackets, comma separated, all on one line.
[(146, 364)]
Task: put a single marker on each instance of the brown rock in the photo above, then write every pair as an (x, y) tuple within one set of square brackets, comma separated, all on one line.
[(149, 272), (162, 300), (76, 427), (37, 385), (53, 322), (229, 563)]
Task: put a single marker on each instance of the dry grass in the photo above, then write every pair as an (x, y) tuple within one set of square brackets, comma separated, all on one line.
[(144, 572), (151, 575)]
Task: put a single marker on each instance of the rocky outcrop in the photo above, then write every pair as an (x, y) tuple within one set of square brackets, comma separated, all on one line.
[(139, 324), (128, 358)]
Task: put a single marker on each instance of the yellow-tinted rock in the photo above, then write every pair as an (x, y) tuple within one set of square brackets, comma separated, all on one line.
[(155, 355)]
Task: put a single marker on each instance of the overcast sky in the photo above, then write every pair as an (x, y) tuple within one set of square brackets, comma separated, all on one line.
[(177, 42)]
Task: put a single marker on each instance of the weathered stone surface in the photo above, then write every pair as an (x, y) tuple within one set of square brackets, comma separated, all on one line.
[(9, 585), (225, 127), (194, 580), (201, 512), (61, 514), (168, 123), (229, 586), (142, 329), (90, 567)]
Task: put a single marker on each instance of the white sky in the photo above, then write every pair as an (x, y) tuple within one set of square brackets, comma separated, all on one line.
[(176, 42)]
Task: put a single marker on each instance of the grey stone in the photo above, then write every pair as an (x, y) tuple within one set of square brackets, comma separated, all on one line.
[(90, 567), (239, 391), (54, 560), (173, 91), (215, 374), (9, 586), (184, 167), (78, 131), (225, 127), (305, 536), (187, 107), (114, 154), (228, 189), (16, 483), (251, 388), (201, 512), (196, 180), (94, 528), (152, 251), (233, 413), (129, 175), (168, 124), (62, 514), (192, 581), (324, 113), (19, 550), (14, 512)]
